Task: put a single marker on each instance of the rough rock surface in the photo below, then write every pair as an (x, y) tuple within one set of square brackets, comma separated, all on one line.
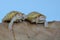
[(27, 31)]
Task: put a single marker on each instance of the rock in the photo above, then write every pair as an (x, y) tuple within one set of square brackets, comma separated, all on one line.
[(27, 31)]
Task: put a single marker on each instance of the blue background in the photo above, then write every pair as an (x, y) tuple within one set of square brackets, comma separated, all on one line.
[(50, 8)]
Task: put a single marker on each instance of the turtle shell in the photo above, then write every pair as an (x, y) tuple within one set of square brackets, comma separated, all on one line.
[(34, 15), (10, 15)]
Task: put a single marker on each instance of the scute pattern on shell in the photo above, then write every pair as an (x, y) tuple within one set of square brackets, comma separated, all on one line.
[(10, 15), (34, 15)]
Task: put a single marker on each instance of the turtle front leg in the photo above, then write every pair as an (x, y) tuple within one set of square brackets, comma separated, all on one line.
[(10, 26), (45, 24), (17, 17), (11, 23)]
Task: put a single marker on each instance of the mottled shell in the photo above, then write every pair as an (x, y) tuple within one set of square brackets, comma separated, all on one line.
[(10, 15), (34, 15)]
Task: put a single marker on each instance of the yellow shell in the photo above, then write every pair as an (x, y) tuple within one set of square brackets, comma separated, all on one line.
[(10, 15), (33, 15)]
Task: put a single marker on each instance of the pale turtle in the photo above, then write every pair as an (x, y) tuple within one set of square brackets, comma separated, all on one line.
[(12, 17), (36, 17)]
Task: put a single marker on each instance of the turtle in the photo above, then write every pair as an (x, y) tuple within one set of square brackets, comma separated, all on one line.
[(36, 17), (13, 16)]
